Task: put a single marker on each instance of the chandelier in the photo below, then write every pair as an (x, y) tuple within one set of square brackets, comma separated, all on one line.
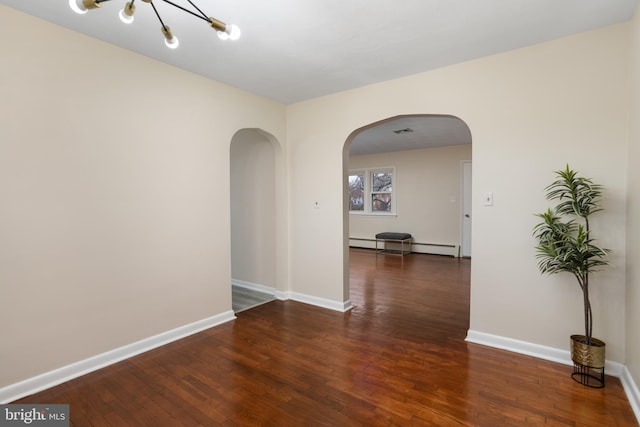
[(224, 31)]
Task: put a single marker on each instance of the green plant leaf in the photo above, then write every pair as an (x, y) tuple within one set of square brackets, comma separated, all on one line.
[(564, 237)]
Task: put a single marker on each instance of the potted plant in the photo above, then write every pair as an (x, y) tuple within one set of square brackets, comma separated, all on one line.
[(565, 245)]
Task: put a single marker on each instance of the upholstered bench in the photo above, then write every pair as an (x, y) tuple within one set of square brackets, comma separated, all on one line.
[(398, 238)]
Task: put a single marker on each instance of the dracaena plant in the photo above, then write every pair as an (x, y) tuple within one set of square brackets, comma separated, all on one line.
[(564, 235)]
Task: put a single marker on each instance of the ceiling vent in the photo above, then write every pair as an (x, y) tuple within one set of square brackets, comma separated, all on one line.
[(403, 131)]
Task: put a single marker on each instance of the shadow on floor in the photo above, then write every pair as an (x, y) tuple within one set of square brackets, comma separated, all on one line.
[(244, 298)]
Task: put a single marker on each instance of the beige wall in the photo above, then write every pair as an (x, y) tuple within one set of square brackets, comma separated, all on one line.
[(114, 181), (633, 210), (115, 218), (253, 209), (428, 193), (529, 111)]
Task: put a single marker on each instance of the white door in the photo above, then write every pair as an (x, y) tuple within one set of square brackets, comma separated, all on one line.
[(466, 209)]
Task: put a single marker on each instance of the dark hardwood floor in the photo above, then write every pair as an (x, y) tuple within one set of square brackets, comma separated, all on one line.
[(398, 358)]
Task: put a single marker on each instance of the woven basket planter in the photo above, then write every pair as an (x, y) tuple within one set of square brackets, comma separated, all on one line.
[(588, 361), (592, 355)]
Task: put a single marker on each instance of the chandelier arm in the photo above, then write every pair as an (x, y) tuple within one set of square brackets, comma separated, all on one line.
[(198, 9), (157, 14), (204, 18), (127, 15)]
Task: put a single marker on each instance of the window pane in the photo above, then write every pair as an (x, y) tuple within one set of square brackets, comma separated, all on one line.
[(356, 192), (382, 181), (381, 202)]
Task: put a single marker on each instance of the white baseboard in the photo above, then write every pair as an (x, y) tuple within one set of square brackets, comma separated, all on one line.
[(535, 350), (281, 295), (416, 247), (321, 302), (49, 379), (295, 296), (254, 287), (631, 388)]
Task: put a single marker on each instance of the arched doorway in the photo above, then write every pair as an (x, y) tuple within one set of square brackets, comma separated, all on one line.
[(257, 180), (423, 159)]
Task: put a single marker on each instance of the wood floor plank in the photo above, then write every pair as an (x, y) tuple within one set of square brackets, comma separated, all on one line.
[(398, 358)]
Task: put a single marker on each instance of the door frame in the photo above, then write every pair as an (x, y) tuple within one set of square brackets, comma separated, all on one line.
[(465, 207)]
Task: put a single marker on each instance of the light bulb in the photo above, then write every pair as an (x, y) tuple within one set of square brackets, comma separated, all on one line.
[(169, 39), (78, 7), (172, 43), (125, 18), (231, 32), (235, 32), (126, 14)]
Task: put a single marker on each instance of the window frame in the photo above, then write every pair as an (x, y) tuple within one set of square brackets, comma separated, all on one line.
[(369, 193)]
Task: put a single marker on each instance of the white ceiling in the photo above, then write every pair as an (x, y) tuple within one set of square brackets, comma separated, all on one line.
[(294, 50), (415, 132)]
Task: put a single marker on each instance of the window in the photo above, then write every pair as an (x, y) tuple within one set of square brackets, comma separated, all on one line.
[(371, 191), (356, 192)]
